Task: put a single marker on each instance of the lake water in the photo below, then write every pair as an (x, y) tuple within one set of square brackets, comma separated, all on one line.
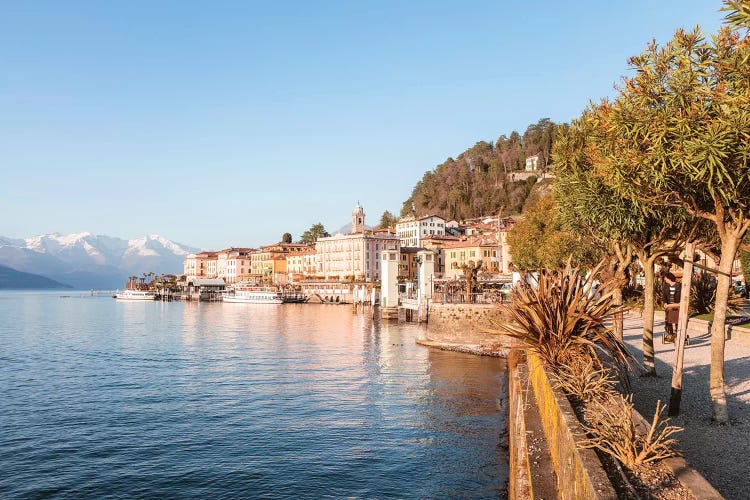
[(101, 398)]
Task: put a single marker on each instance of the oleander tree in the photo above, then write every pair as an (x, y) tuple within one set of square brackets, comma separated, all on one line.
[(622, 226), (682, 131)]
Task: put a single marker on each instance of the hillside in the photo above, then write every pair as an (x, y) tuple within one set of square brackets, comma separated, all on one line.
[(10, 279), (479, 181)]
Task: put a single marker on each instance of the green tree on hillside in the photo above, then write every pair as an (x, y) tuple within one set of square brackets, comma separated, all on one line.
[(387, 220), (311, 235)]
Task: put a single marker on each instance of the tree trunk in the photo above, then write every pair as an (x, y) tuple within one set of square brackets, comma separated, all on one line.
[(687, 275), (718, 393), (648, 316), (618, 319)]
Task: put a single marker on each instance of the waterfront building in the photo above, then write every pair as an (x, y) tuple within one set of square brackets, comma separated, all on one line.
[(436, 243), (474, 249), (411, 231), (301, 264), (353, 256), (356, 255), (196, 265), (269, 262), (233, 264), (408, 264)]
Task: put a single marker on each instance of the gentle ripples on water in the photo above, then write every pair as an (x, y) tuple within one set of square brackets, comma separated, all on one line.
[(104, 398)]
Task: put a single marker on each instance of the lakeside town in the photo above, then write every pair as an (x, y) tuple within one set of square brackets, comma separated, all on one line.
[(320, 268)]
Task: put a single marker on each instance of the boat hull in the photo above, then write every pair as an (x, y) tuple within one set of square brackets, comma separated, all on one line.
[(132, 297)]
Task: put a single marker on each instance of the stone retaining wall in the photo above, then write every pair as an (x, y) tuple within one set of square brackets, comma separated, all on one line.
[(579, 471), (463, 323)]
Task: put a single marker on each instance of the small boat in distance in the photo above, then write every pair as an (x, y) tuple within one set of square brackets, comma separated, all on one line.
[(254, 296), (134, 295)]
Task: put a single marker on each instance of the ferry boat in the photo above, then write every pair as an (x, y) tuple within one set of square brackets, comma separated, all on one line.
[(254, 296), (134, 295)]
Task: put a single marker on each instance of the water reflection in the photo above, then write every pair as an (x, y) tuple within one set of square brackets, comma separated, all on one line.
[(196, 399)]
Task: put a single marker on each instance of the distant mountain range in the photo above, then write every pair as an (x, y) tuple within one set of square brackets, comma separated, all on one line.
[(86, 261), (10, 279)]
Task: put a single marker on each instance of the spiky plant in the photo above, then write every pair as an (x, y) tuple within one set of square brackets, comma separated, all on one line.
[(562, 314), (614, 432), (703, 296), (583, 377)]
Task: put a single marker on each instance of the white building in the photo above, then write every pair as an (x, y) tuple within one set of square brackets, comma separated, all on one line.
[(410, 232), (532, 163), (356, 255)]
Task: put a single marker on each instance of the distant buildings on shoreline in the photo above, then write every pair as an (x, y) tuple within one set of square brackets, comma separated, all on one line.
[(356, 256)]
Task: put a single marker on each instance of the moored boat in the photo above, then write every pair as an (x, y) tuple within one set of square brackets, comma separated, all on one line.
[(134, 295), (254, 296)]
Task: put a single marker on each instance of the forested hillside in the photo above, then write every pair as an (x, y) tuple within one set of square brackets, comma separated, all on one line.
[(477, 182)]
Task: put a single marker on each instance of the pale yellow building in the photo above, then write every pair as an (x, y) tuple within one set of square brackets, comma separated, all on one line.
[(483, 249)]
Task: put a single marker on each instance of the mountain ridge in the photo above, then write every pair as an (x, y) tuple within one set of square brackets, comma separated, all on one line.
[(85, 260)]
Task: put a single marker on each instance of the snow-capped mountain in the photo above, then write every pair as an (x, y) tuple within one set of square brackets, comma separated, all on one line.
[(85, 260)]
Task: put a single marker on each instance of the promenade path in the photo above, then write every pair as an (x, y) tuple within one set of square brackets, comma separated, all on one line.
[(720, 453)]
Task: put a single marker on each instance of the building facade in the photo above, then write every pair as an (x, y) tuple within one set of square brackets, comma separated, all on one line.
[(411, 232), (353, 256), (233, 264), (469, 251)]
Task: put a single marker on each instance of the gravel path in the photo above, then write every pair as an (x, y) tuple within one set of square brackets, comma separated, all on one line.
[(720, 453)]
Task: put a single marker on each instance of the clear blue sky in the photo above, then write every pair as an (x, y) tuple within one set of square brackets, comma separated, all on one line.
[(229, 123)]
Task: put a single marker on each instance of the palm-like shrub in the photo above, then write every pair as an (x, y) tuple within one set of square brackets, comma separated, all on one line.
[(703, 295), (562, 314), (584, 378), (613, 431)]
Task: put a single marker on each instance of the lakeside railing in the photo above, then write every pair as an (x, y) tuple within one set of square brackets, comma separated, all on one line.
[(489, 297)]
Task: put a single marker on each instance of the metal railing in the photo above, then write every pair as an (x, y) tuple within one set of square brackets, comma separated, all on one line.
[(491, 297)]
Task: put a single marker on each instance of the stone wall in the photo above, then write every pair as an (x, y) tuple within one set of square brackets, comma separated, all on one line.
[(464, 323), (579, 471)]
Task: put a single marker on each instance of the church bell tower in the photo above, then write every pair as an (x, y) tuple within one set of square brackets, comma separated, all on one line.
[(358, 219)]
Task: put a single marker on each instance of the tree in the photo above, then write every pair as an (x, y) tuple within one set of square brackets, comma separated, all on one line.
[(623, 227), (387, 220), (471, 270), (539, 241), (311, 235), (683, 124), (286, 238)]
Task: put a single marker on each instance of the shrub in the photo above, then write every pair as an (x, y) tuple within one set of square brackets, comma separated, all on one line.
[(583, 377), (703, 296), (614, 432), (563, 316)]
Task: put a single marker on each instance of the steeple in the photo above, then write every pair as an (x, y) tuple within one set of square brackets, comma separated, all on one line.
[(358, 219)]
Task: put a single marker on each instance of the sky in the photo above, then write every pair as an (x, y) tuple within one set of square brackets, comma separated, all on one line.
[(221, 123)]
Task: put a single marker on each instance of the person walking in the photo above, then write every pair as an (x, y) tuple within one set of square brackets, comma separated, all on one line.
[(671, 298)]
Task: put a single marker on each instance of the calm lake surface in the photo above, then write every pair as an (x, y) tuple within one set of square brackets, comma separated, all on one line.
[(105, 398)]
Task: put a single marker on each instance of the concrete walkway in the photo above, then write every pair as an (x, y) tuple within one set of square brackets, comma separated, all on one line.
[(720, 453)]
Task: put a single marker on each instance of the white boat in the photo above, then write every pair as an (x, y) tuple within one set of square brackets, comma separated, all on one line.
[(254, 296), (134, 295)]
